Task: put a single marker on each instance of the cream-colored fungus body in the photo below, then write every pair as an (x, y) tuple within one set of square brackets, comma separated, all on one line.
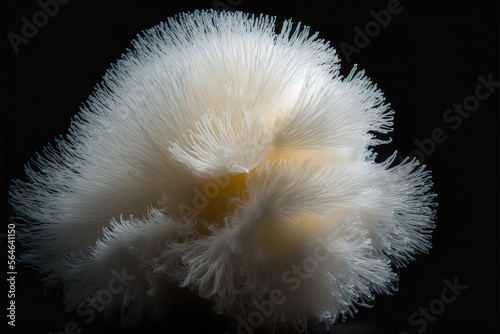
[(229, 156)]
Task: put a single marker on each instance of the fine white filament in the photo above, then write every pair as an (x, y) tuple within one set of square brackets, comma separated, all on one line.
[(221, 155)]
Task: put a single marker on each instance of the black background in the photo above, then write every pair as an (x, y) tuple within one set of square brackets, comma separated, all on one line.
[(428, 58)]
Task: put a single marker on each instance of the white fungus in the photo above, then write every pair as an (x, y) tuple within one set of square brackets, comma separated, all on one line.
[(223, 156)]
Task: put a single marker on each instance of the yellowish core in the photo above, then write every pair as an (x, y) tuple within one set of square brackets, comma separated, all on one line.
[(273, 236), (221, 199)]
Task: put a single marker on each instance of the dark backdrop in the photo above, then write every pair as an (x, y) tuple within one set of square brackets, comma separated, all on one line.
[(429, 57)]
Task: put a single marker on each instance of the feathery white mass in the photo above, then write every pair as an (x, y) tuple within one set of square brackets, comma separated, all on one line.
[(223, 156)]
